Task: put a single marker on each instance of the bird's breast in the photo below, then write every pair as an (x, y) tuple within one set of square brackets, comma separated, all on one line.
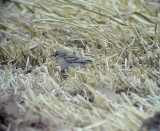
[(63, 64)]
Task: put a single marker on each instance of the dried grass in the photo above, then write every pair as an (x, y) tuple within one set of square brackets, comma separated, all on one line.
[(121, 37)]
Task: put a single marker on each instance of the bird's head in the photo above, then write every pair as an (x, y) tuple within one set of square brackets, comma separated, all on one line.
[(59, 54)]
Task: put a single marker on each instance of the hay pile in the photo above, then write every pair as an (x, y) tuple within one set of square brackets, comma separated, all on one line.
[(118, 91)]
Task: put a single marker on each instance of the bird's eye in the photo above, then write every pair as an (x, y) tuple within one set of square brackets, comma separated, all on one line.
[(56, 53)]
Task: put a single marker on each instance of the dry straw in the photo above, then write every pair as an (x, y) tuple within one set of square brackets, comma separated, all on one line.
[(122, 38)]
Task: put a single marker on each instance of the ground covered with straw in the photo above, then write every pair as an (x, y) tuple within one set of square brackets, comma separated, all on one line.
[(118, 91)]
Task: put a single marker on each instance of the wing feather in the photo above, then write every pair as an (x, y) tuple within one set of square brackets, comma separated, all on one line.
[(70, 58)]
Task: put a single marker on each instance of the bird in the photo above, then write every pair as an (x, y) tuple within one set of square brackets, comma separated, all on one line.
[(66, 60)]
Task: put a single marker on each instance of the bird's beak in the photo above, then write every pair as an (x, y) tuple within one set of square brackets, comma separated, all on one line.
[(54, 55)]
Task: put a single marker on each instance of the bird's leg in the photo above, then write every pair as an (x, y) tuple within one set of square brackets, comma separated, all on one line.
[(64, 74)]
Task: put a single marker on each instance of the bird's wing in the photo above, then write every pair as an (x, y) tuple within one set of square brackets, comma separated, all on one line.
[(77, 60), (71, 58), (82, 60)]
